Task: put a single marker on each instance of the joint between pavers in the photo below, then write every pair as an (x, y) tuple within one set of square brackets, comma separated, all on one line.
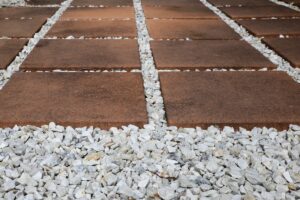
[(291, 6)]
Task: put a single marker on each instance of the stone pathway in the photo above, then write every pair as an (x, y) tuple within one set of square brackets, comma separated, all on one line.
[(148, 74)]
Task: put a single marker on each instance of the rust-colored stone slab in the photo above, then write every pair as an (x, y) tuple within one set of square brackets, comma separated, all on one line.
[(273, 28), (20, 28), (94, 29), (193, 29), (9, 49), (26, 13), (44, 2), (221, 3), (246, 99), (98, 13), (294, 2), (102, 3), (83, 55), (289, 48), (171, 3), (179, 12), (78, 99), (204, 54), (259, 12)]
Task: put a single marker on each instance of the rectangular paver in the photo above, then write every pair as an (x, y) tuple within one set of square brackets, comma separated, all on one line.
[(78, 99), (179, 12), (9, 49), (221, 3), (44, 2), (171, 3), (94, 29), (102, 3), (246, 99), (289, 48), (260, 12), (83, 55), (26, 12), (193, 29), (204, 54), (20, 28), (98, 13), (273, 28)]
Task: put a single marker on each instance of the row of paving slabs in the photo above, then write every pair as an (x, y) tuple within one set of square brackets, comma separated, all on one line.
[(113, 99)]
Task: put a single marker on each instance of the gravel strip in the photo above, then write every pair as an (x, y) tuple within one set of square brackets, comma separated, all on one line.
[(282, 64), (155, 106), (15, 65), (291, 6), (11, 3)]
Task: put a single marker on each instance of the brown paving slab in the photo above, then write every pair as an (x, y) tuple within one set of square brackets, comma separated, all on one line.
[(259, 12), (102, 3), (20, 28), (246, 99), (179, 12), (26, 12), (193, 29), (294, 2), (9, 49), (94, 29), (204, 54), (98, 13), (289, 48), (220, 3), (273, 28), (78, 99), (83, 55), (44, 2), (171, 3)]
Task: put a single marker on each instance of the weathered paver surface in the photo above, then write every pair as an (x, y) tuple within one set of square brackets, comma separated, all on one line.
[(106, 3), (83, 55), (9, 49), (221, 3), (26, 12), (44, 2), (78, 99), (171, 3), (236, 99), (179, 12), (204, 54), (98, 13), (289, 48), (193, 29), (94, 29), (20, 28), (260, 12), (274, 28)]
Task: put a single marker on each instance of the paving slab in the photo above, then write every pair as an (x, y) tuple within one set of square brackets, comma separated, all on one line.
[(98, 13), (20, 28), (83, 55), (272, 28), (94, 29), (107, 3), (289, 48), (26, 12), (205, 54), (294, 2), (171, 3), (73, 99), (246, 99), (221, 3), (259, 12), (9, 49), (193, 29), (44, 2), (179, 12)]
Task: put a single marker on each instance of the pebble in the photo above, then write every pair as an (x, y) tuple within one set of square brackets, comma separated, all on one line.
[(166, 193)]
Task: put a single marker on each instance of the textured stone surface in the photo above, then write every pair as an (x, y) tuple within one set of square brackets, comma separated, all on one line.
[(273, 28), (171, 3), (94, 29), (193, 29), (102, 3), (289, 48), (26, 12), (203, 54), (98, 13), (43, 2), (246, 99), (77, 99), (220, 3), (9, 49), (83, 55), (20, 28), (260, 12), (179, 12)]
